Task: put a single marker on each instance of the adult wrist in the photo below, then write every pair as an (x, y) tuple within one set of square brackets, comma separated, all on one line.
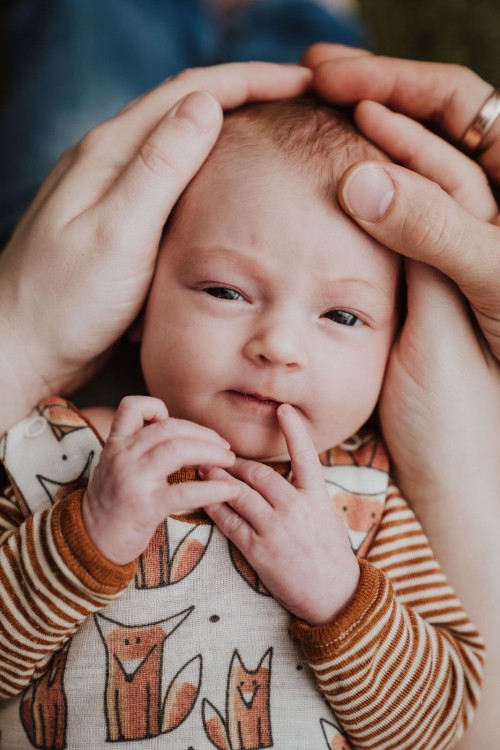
[(20, 384)]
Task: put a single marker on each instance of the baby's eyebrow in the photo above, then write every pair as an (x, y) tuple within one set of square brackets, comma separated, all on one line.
[(356, 281), (243, 260), (236, 256)]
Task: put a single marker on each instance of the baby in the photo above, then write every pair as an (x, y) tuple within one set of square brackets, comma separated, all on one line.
[(266, 336)]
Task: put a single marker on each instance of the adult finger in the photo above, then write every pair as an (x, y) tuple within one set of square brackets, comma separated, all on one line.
[(159, 171), (108, 148), (306, 469), (411, 144), (321, 51), (415, 217), (232, 84), (447, 95), (133, 412)]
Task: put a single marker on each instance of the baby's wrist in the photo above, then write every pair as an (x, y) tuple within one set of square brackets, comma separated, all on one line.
[(326, 609), (105, 537)]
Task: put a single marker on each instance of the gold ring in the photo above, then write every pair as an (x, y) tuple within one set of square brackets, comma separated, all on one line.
[(483, 121)]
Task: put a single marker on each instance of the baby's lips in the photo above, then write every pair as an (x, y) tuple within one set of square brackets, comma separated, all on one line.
[(203, 470)]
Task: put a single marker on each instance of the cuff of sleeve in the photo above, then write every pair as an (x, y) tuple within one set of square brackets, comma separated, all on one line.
[(371, 599), (79, 553)]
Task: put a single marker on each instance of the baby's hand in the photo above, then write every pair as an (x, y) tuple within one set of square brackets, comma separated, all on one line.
[(290, 533), (128, 495)]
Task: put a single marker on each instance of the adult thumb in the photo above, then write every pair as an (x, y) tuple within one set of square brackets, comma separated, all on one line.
[(414, 216)]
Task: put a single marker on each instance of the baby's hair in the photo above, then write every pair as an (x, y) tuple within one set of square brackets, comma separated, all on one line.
[(310, 136), (320, 140)]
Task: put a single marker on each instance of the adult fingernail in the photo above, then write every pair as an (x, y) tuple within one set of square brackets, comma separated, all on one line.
[(368, 192), (200, 110)]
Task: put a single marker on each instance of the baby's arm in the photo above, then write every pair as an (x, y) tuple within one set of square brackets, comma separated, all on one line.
[(55, 570), (51, 579), (399, 662)]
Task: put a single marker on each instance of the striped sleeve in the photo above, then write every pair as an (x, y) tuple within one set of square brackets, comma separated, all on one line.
[(51, 579), (402, 666)]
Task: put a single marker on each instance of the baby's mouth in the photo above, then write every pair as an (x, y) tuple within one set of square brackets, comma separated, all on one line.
[(256, 399)]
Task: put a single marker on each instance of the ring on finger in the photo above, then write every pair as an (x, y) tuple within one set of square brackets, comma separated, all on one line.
[(483, 121)]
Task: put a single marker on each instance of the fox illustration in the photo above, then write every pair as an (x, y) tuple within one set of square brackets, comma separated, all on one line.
[(134, 679), (245, 570), (369, 451), (163, 562), (61, 416), (335, 737), (43, 708), (358, 496), (248, 724), (57, 490), (361, 514)]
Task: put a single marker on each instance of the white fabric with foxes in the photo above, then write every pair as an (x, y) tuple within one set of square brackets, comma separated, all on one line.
[(195, 654)]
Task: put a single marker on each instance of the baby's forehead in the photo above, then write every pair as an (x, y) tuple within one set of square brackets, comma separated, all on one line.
[(304, 136)]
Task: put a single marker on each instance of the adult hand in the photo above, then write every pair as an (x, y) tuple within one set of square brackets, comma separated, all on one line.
[(75, 273), (440, 407), (404, 211)]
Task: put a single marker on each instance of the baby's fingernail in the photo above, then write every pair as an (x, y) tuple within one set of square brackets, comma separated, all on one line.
[(200, 110), (368, 192), (285, 409), (204, 470)]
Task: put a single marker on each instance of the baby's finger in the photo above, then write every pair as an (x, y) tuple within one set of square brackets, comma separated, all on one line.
[(246, 502), (133, 412), (232, 525), (270, 485), (411, 144), (172, 429), (191, 495), (172, 455), (306, 469)]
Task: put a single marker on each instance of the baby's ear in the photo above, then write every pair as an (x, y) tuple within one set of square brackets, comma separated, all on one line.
[(134, 333)]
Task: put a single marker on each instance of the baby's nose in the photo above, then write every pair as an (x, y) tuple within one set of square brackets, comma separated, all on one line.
[(279, 343)]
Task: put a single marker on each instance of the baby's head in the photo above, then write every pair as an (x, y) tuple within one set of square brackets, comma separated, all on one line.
[(266, 292)]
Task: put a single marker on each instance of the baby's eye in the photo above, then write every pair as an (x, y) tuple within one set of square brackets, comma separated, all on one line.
[(223, 292), (342, 317)]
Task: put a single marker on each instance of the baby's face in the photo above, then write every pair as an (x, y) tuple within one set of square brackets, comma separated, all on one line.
[(266, 294)]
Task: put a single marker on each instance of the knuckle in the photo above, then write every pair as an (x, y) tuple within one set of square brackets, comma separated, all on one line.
[(108, 231), (127, 403), (232, 522), (307, 456), (157, 162), (259, 473), (183, 75), (91, 141), (431, 230)]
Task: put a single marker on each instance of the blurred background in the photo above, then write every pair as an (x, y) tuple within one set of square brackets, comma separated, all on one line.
[(459, 31)]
